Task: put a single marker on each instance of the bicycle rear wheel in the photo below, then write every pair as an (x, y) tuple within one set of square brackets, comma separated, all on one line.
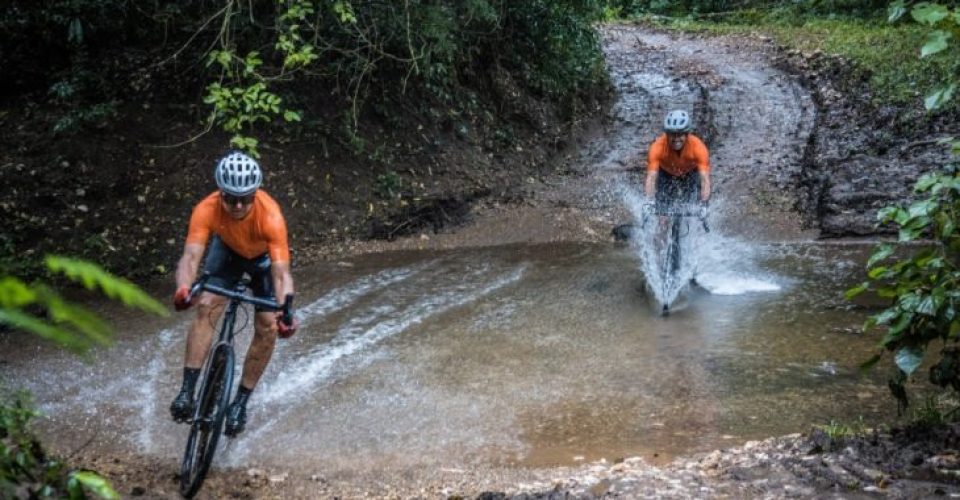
[(208, 420)]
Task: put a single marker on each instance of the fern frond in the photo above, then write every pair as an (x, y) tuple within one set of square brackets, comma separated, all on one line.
[(28, 323), (93, 276)]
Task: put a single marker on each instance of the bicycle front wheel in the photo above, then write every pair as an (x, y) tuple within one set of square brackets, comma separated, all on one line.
[(207, 421)]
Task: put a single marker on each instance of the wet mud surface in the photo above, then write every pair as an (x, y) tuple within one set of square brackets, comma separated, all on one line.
[(770, 154)]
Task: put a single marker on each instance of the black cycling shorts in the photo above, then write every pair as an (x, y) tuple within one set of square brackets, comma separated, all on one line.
[(677, 190), (226, 268)]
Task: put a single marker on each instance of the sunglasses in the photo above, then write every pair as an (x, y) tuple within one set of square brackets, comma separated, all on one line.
[(677, 135), (230, 199)]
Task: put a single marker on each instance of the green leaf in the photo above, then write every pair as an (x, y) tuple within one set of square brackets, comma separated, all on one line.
[(896, 11), (939, 97), (877, 272), (86, 322), (880, 253), (927, 306), (908, 359), (926, 181), (929, 13), (936, 42), (27, 323), (886, 214), (15, 293), (93, 277), (922, 208), (954, 329), (902, 323), (909, 302), (885, 316), (857, 290), (291, 116), (96, 484), (887, 292)]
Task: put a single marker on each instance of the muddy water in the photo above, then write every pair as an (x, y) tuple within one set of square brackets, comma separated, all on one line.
[(523, 355)]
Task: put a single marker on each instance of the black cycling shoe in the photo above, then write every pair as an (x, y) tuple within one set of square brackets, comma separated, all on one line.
[(182, 407), (236, 419)]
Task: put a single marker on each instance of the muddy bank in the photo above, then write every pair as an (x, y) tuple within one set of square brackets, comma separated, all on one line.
[(861, 156)]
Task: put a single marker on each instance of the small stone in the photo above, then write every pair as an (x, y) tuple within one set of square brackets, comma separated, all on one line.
[(601, 488), (83, 208)]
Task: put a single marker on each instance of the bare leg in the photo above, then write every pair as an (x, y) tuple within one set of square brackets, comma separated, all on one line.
[(261, 349), (209, 309)]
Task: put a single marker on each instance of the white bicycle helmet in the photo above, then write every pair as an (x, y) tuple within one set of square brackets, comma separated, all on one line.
[(237, 174), (677, 122)]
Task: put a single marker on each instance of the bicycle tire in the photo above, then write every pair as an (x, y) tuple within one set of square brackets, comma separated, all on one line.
[(208, 420), (675, 245)]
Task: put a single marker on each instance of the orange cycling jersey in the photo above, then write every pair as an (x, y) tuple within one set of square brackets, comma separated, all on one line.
[(262, 230), (694, 155)]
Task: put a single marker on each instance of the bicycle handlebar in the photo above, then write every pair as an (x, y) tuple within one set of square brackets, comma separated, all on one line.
[(682, 211), (269, 304)]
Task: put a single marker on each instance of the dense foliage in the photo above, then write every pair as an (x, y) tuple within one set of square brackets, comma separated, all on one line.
[(259, 58), (26, 471), (922, 288)]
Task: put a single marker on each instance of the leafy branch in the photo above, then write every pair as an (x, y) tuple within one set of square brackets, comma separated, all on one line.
[(947, 22), (923, 289)]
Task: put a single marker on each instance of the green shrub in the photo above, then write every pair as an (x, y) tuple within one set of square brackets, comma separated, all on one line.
[(26, 471), (924, 305)]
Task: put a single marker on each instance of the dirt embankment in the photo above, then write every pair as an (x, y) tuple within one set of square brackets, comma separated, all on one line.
[(862, 156), (120, 192)]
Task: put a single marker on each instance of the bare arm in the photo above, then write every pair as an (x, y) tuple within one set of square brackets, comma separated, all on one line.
[(704, 186), (189, 263), (650, 186), (282, 280)]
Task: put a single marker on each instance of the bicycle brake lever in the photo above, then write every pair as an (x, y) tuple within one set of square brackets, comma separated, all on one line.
[(198, 285)]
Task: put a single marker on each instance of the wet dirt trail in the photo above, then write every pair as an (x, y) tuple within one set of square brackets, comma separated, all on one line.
[(518, 354)]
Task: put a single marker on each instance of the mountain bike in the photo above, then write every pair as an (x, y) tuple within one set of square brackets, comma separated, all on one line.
[(213, 393), (678, 226)]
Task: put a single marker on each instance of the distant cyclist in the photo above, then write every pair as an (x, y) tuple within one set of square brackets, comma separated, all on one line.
[(246, 233), (678, 165)]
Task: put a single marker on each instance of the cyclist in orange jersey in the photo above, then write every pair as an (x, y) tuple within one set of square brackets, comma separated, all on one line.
[(678, 165), (244, 232)]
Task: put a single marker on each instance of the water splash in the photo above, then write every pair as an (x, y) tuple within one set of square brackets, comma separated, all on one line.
[(356, 336), (342, 297), (720, 265), (358, 333), (649, 241), (147, 392)]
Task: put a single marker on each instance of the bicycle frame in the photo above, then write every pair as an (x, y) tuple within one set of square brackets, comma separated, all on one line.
[(214, 392), (674, 216)]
